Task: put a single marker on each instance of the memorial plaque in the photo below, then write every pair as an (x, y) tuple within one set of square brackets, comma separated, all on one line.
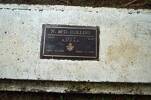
[(70, 42)]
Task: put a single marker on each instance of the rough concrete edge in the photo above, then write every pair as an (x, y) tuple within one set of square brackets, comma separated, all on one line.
[(75, 87), (59, 7)]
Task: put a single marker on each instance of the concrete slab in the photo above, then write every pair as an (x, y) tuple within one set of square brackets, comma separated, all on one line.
[(125, 44)]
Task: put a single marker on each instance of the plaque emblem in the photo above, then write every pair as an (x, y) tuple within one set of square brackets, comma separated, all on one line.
[(69, 42), (70, 47)]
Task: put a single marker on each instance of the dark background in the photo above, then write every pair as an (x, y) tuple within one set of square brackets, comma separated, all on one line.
[(55, 96), (94, 3)]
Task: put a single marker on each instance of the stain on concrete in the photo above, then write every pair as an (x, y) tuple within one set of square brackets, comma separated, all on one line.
[(78, 89), (124, 49)]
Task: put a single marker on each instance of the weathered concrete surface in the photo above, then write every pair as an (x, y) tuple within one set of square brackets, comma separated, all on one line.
[(125, 44), (75, 87)]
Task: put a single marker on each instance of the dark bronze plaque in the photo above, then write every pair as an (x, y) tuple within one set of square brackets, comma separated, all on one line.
[(70, 42)]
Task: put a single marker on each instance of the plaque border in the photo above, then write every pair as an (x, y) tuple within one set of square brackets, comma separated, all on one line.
[(42, 46)]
